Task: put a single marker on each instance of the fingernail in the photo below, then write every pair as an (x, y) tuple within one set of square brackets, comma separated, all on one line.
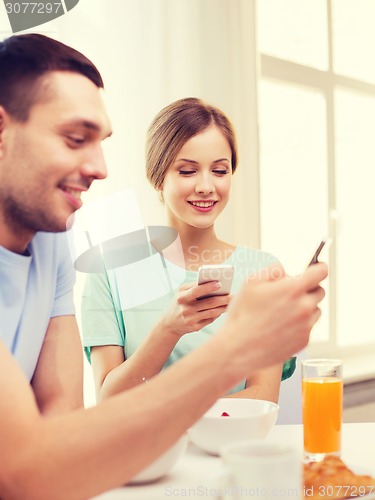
[(217, 284)]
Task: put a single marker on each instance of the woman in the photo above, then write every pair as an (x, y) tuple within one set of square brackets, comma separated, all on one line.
[(191, 155)]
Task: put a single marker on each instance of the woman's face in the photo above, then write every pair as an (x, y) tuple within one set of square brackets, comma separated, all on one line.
[(196, 187)]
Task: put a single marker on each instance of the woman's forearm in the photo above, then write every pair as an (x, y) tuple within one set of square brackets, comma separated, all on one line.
[(143, 364), (263, 385)]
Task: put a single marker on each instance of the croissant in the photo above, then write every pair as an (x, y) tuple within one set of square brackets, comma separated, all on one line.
[(331, 479)]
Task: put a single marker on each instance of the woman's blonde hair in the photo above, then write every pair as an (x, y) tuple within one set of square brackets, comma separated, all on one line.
[(173, 126)]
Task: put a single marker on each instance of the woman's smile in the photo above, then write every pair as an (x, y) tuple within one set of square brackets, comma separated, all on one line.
[(203, 206)]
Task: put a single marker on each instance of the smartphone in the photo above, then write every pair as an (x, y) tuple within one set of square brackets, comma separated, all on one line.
[(314, 260), (220, 272)]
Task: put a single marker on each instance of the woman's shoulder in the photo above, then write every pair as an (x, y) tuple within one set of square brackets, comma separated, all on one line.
[(254, 256)]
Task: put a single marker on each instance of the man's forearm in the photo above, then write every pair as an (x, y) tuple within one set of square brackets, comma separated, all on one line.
[(83, 453), (105, 446)]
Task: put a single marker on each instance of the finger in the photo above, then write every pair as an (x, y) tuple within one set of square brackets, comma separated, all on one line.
[(315, 316), (317, 294), (187, 286), (213, 302), (309, 280), (211, 314), (204, 289), (307, 304), (313, 276)]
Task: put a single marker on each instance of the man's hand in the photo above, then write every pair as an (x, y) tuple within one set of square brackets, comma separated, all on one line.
[(277, 313)]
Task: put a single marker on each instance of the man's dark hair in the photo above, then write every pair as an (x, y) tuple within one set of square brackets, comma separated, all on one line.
[(25, 59)]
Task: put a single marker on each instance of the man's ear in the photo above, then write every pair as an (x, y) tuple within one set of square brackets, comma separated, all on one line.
[(4, 120), (2, 127)]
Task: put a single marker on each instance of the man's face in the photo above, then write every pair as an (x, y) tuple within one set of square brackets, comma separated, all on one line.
[(49, 160)]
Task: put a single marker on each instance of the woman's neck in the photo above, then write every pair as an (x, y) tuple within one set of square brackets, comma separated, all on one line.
[(200, 246)]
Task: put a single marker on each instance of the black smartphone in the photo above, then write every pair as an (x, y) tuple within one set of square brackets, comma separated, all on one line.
[(314, 260)]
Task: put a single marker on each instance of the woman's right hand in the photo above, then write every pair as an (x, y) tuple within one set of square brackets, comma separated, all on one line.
[(187, 314)]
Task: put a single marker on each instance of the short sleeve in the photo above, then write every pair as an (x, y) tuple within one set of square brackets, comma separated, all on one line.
[(102, 320), (63, 302)]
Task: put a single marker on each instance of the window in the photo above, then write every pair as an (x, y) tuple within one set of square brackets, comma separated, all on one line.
[(317, 156)]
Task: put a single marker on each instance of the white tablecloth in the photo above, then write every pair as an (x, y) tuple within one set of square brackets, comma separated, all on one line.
[(193, 475)]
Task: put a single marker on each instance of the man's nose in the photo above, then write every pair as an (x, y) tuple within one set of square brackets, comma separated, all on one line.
[(94, 165)]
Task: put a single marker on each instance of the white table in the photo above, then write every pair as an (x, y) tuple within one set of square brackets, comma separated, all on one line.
[(192, 476)]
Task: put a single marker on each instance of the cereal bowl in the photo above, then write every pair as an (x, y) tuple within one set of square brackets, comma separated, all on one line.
[(233, 419)]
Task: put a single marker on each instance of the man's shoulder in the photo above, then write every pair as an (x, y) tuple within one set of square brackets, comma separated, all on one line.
[(43, 241), (51, 249)]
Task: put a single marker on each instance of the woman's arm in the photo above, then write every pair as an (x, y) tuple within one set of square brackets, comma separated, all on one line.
[(186, 314), (264, 384)]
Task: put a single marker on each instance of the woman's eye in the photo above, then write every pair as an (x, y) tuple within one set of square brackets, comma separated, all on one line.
[(219, 171), (186, 172)]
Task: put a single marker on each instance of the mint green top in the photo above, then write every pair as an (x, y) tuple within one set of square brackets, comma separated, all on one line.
[(121, 306)]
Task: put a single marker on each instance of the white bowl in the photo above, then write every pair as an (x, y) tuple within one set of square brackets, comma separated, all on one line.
[(248, 419), (163, 464)]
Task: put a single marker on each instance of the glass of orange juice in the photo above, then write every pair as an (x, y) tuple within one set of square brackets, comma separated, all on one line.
[(322, 401)]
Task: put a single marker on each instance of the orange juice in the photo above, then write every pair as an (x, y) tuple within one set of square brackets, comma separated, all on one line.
[(322, 414)]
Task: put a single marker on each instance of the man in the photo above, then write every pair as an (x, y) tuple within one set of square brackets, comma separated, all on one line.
[(52, 124)]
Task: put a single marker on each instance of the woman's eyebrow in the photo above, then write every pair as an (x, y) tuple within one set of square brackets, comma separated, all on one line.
[(221, 159), (187, 160), (196, 163)]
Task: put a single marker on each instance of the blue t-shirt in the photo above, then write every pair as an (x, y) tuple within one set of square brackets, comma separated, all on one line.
[(33, 289)]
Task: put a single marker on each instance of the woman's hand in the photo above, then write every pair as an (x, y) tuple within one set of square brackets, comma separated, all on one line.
[(187, 313)]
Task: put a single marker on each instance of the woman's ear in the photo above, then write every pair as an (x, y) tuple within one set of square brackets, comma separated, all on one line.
[(159, 190)]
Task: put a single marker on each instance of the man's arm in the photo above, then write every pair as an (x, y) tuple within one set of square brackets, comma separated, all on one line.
[(58, 378), (84, 452)]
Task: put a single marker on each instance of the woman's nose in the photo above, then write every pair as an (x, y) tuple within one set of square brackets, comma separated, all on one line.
[(204, 185)]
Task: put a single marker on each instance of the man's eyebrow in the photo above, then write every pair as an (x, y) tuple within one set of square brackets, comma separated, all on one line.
[(88, 124)]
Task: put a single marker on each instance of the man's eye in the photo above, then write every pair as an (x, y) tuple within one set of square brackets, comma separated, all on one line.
[(76, 139)]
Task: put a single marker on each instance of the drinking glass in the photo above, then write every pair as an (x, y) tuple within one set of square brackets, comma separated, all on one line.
[(322, 401)]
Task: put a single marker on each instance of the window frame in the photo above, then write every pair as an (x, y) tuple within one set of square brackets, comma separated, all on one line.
[(325, 82)]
